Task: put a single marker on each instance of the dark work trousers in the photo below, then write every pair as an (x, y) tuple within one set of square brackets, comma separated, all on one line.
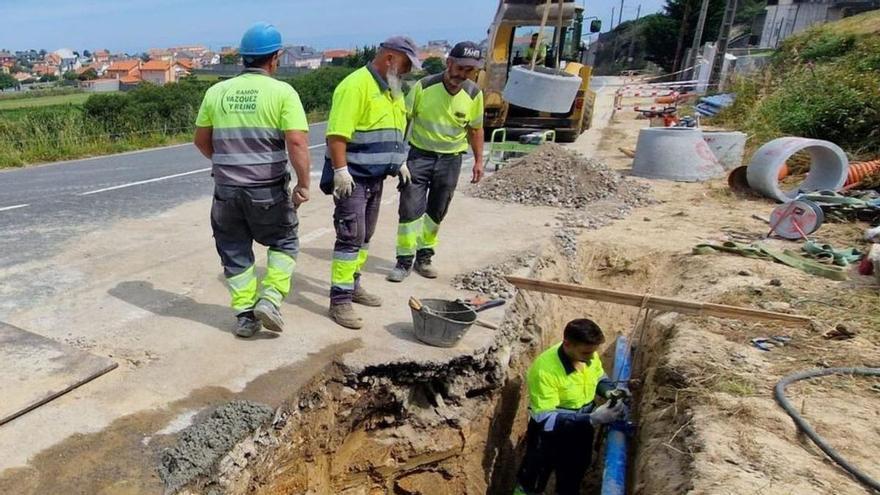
[(424, 202), (566, 450), (355, 220), (242, 215)]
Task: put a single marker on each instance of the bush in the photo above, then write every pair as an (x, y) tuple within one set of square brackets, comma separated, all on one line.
[(316, 87), (822, 84)]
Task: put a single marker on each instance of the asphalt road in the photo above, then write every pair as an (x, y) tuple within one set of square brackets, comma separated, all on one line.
[(44, 206)]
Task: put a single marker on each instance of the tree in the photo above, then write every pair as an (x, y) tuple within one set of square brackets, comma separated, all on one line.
[(360, 57), (88, 74), (87, 54), (69, 76), (433, 65), (7, 81), (229, 58), (49, 78)]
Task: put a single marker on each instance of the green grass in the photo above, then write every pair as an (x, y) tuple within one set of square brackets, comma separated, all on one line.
[(43, 101)]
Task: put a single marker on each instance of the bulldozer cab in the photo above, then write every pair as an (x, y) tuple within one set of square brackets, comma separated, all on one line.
[(511, 43)]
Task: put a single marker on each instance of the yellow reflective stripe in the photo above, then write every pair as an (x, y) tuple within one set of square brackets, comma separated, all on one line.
[(243, 289), (276, 283), (408, 237), (342, 272), (430, 231), (361, 259)]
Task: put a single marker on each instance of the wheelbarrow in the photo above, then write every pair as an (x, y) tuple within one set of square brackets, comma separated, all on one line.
[(443, 323)]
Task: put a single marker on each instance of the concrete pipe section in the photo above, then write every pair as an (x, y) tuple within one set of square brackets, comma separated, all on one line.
[(542, 89), (675, 153), (728, 147), (828, 167)]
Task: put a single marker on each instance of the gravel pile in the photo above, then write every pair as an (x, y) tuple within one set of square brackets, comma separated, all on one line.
[(489, 280), (591, 194), (555, 176)]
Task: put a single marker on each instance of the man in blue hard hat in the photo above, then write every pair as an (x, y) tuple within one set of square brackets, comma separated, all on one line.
[(249, 126), (365, 144)]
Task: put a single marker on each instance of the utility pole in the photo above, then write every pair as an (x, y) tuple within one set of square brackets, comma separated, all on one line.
[(620, 14), (721, 44), (612, 20), (633, 32), (678, 47), (698, 38)]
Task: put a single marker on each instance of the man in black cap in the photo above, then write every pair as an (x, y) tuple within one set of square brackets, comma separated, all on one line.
[(365, 144), (446, 113)]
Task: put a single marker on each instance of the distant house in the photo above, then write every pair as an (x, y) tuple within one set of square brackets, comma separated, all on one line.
[(158, 72), (331, 55), (787, 17), (7, 58), (22, 76), (68, 61), (182, 67), (127, 71), (101, 56), (46, 69), (300, 56)]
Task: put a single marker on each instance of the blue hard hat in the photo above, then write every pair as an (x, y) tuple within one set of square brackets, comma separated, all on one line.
[(261, 39)]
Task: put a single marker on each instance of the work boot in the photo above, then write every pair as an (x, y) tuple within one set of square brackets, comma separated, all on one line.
[(345, 315), (247, 325), (361, 296), (269, 316), (424, 268), (399, 273)]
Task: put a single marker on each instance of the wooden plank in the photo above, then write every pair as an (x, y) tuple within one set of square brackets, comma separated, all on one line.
[(35, 370), (653, 302)]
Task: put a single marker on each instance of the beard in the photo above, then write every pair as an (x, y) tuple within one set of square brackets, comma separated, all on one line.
[(394, 82)]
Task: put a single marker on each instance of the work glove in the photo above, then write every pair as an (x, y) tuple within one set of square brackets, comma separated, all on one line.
[(606, 413), (405, 176), (343, 184)]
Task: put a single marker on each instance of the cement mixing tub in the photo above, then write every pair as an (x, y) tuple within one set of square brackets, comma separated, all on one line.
[(728, 147), (828, 167), (543, 89), (674, 153)]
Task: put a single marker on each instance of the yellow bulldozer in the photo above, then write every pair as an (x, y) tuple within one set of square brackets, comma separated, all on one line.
[(513, 29)]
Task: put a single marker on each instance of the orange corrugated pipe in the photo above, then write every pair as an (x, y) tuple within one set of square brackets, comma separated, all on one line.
[(860, 170)]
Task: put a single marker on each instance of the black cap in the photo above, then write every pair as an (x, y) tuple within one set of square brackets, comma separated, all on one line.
[(467, 53)]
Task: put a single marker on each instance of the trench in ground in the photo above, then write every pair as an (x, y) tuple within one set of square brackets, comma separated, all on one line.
[(456, 427)]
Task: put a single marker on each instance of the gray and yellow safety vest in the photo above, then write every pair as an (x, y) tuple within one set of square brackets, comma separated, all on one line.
[(373, 122), (248, 115)]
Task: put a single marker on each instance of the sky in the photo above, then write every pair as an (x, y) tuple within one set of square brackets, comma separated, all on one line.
[(136, 25)]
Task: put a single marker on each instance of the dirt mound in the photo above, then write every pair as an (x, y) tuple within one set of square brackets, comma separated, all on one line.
[(555, 176)]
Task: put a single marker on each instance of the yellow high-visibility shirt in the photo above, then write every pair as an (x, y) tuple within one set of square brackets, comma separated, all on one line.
[(439, 119)]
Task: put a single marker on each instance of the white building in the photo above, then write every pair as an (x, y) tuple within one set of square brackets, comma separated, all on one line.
[(69, 60), (788, 17)]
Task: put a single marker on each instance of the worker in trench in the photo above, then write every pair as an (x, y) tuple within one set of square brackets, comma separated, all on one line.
[(365, 144), (563, 383), (446, 115), (249, 126)]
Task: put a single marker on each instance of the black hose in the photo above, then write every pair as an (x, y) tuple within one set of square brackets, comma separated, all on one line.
[(779, 393)]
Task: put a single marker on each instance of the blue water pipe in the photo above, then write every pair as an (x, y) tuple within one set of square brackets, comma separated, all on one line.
[(614, 475)]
